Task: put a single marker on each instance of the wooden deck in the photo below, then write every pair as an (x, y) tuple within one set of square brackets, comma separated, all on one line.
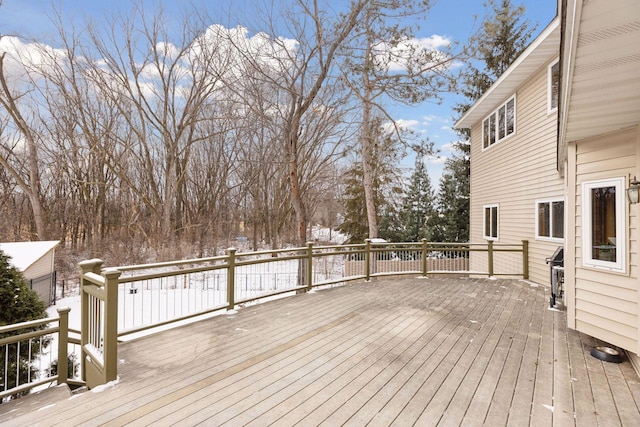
[(391, 352)]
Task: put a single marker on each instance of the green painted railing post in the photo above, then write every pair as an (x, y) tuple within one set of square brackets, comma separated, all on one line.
[(367, 259), (425, 249), (88, 266), (110, 350), (63, 340), (490, 257), (309, 266), (525, 259), (231, 278)]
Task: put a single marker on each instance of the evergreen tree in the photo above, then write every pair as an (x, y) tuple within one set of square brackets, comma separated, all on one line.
[(18, 304), (418, 213), (391, 227), (453, 200), (501, 38), (386, 154), (354, 223)]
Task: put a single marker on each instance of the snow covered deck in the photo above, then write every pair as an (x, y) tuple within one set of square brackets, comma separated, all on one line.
[(394, 351)]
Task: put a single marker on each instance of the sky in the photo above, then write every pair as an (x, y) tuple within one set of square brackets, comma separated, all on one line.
[(454, 20)]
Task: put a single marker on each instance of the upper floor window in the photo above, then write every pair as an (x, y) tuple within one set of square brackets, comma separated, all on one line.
[(550, 220), (553, 78), (500, 124)]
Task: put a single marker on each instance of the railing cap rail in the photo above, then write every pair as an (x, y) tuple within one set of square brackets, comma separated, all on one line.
[(125, 268), (29, 324)]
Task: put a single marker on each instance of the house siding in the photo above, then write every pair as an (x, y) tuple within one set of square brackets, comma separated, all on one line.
[(604, 304), (41, 267), (514, 174)]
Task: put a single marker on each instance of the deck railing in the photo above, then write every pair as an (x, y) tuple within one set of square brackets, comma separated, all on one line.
[(124, 300), (27, 358)]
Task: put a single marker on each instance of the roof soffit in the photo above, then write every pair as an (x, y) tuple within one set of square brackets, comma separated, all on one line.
[(604, 92)]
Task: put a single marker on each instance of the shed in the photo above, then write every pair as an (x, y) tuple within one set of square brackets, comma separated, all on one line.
[(35, 260)]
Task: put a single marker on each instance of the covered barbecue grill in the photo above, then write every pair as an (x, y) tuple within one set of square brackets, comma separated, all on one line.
[(556, 270)]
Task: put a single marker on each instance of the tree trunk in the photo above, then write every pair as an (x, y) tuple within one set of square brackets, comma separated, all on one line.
[(31, 186), (367, 161), (294, 178)]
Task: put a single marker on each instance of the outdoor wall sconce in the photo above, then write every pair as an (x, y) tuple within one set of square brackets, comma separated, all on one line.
[(633, 191)]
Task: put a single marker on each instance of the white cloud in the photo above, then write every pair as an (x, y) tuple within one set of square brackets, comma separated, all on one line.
[(24, 57), (436, 160), (427, 120), (434, 42), (228, 49), (167, 49), (425, 50), (407, 124)]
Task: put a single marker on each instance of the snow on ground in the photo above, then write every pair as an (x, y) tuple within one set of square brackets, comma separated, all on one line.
[(324, 234)]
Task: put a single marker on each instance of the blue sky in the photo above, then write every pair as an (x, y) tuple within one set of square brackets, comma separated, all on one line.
[(455, 20)]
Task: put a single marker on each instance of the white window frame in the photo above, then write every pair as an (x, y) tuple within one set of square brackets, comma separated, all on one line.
[(484, 222), (619, 265), (495, 114), (551, 221), (550, 109)]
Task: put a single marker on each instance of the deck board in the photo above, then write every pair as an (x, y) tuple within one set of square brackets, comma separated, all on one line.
[(585, 411), (395, 351), (450, 403), (605, 406), (563, 412), (542, 403)]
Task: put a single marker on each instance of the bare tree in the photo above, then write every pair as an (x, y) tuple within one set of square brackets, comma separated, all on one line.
[(385, 62), (29, 179), (79, 126), (161, 90), (305, 69)]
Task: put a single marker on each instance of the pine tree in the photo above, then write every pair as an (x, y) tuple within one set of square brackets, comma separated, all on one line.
[(391, 227), (501, 38), (354, 223), (18, 304), (418, 213), (385, 155), (453, 200)]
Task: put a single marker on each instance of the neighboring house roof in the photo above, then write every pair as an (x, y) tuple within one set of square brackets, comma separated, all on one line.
[(600, 77), (538, 53), (25, 254)]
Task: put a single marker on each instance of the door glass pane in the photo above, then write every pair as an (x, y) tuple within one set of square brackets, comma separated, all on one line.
[(603, 223)]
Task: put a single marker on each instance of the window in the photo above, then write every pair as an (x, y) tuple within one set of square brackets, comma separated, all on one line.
[(500, 124), (550, 222), (553, 78), (603, 224), (491, 222)]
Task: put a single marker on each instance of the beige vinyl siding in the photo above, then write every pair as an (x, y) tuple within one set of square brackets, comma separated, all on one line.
[(41, 267), (517, 172), (606, 303)]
